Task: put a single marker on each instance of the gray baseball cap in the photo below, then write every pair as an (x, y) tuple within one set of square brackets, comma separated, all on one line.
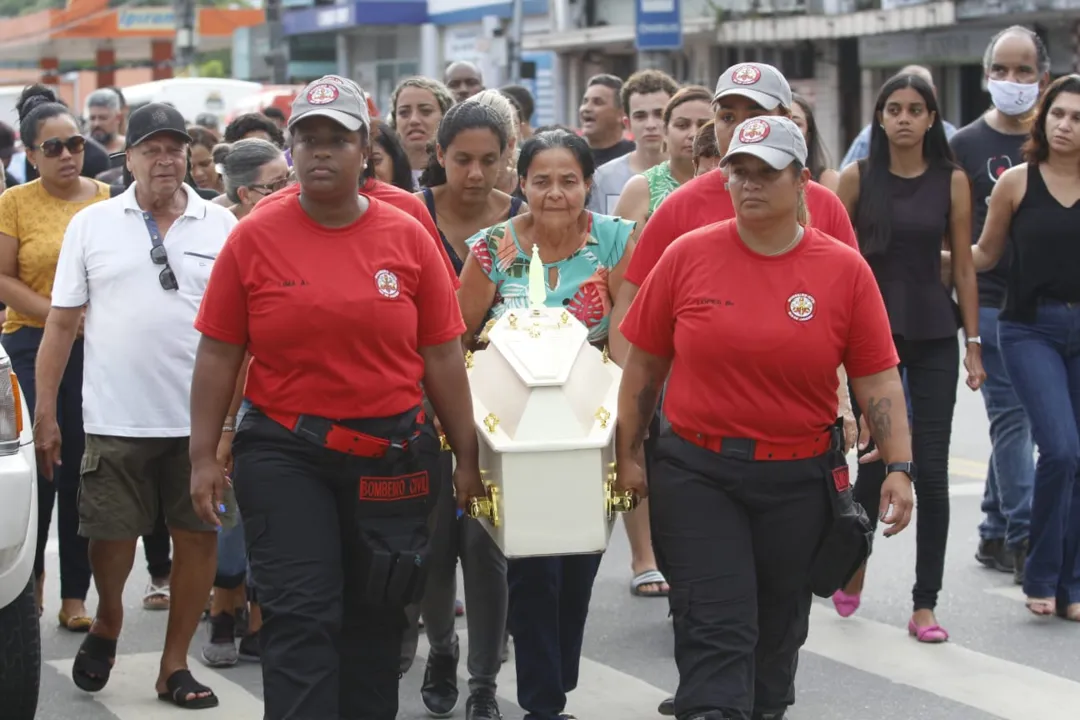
[(762, 83), (335, 98), (776, 140)]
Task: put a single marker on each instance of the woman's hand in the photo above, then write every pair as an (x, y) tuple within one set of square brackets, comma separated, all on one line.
[(208, 483), (974, 366)]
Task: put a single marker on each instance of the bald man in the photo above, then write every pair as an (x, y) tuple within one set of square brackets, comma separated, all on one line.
[(860, 146), (464, 80)]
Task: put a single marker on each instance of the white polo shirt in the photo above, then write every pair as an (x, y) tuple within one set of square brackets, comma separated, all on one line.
[(140, 339)]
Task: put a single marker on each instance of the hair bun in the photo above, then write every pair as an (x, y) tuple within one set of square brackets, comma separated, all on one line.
[(34, 96)]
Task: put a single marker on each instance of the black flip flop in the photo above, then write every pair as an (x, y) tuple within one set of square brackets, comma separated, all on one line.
[(181, 684), (93, 663)]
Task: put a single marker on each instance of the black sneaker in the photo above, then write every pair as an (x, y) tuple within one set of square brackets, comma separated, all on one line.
[(667, 707), (250, 649), (1018, 556), (992, 554), (482, 705), (440, 691)]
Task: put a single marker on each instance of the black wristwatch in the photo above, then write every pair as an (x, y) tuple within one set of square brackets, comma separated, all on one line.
[(908, 468)]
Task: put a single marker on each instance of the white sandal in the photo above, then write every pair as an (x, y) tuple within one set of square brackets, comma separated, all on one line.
[(156, 597)]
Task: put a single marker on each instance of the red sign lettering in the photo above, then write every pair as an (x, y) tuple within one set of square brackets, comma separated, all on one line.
[(392, 489)]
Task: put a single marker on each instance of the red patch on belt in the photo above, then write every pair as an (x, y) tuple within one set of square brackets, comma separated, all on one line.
[(392, 489), (841, 477)]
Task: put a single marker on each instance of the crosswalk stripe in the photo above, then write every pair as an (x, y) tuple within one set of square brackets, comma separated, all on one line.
[(1004, 689), (130, 692)]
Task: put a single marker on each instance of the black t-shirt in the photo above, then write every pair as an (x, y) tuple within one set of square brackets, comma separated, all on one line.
[(95, 161), (608, 154), (985, 154)]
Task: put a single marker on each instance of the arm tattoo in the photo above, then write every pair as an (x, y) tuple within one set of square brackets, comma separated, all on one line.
[(878, 415), (646, 406)]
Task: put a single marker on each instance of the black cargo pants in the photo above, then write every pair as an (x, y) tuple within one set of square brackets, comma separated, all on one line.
[(736, 540), (330, 649)]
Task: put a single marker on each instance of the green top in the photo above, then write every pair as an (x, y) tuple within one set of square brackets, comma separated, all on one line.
[(661, 184)]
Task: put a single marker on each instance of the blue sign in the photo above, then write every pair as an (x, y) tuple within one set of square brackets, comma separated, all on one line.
[(658, 25), (542, 86), (329, 18)]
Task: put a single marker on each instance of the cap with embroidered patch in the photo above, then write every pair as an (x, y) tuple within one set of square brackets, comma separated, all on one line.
[(333, 97), (153, 119), (776, 140), (760, 82)]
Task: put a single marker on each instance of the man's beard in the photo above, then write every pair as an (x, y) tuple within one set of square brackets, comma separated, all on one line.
[(102, 136)]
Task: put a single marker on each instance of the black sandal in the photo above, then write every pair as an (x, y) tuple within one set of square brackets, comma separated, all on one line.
[(94, 663), (181, 684)]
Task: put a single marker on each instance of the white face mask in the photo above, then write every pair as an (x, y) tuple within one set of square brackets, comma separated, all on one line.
[(1013, 98)]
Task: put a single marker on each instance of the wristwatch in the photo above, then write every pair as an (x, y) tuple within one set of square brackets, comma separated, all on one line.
[(908, 468)]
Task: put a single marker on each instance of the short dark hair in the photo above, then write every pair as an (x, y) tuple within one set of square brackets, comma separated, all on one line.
[(274, 113), (1037, 147), (468, 115), (521, 95), (201, 136), (387, 139), (690, 93), (557, 138), (645, 82), (248, 123), (609, 81)]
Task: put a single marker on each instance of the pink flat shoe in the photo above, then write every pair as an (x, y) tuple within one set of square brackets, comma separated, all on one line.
[(845, 604), (929, 634)]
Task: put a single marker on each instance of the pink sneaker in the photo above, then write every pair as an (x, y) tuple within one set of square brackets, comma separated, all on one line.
[(928, 634), (845, 604)]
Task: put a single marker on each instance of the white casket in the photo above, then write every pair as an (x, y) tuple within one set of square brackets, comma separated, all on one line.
[(544, 403)]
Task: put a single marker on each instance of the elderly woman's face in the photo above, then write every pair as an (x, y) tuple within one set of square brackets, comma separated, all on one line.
[(760, 191), (555, 186), (273, 176), (327, 158)]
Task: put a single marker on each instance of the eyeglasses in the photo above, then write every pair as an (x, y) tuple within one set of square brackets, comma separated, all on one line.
[(54, 147), (167, 277), (270, 188)]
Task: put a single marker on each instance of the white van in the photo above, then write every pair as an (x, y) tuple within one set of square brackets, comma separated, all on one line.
[(20, 651), (191, 96)]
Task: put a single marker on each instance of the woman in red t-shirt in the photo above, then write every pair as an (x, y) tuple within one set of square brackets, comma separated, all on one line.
[(345, 307), (747, 321)]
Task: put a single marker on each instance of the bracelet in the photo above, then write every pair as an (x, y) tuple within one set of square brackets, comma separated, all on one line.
[(228, 429), (974, 340)]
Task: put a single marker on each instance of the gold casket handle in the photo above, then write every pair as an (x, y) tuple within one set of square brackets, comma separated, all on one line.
[(486, 508), (617, 502)]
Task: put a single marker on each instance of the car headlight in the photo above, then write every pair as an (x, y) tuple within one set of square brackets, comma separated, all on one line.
[(11, 416)]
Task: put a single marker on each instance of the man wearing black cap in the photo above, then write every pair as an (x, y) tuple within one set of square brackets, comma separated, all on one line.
[(137, 265)]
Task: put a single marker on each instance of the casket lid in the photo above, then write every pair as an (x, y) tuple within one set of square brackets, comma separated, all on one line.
[(541, 345)]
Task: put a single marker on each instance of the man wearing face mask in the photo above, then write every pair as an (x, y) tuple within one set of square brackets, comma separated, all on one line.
[(1017, 68)]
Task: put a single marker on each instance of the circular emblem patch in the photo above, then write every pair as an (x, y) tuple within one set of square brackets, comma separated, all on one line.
[(800, 306), (160, 117), (387, 284), (323, 94), (745, 75), (754, 131)]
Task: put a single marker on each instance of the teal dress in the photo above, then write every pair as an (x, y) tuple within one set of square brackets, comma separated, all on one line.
[(581, 280)]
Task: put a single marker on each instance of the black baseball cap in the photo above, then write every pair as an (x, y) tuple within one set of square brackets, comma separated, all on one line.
[(155, 118)]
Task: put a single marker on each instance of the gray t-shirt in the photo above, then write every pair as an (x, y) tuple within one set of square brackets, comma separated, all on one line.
[(608, 184)]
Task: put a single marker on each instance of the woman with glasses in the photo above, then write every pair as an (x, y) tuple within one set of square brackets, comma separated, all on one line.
[(33, 219), (253, 169)]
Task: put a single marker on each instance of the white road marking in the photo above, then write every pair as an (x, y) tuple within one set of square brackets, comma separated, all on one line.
[(130, 693), (1012, 592), (999, 687), (966, 489)]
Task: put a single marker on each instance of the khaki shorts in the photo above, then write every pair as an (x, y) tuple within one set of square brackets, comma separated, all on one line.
[(127, 481)]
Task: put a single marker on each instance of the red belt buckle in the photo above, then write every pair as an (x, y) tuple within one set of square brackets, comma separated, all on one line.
[(338, 437)]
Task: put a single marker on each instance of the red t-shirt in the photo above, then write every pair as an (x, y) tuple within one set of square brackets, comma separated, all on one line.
[(333, 318), (756, 340), (704, 201), (402, 200)]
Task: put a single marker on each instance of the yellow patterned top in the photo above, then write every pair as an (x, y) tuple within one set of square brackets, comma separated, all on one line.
[(38, 221)]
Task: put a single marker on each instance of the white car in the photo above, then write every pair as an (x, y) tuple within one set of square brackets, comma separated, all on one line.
[(20, 632)]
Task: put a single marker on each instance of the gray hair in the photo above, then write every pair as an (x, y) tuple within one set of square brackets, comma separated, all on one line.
[(104, 97), (242, 163), (1042, 57)]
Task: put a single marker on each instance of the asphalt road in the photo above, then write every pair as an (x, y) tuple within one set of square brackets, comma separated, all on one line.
[(1001, 662)]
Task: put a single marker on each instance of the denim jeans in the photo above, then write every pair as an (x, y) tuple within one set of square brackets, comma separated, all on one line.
[(1011, 472), (1043, 360)]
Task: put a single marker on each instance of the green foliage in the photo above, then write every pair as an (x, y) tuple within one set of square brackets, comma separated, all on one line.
[(212, 69)]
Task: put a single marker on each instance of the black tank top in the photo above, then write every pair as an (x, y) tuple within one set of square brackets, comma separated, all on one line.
[(458, 263), (908, 272), (1044, 252)]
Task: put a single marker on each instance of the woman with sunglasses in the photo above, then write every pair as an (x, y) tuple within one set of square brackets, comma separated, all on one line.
[(253, 169), (33, 219)]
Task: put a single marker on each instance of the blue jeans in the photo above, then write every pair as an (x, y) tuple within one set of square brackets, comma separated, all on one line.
[(1011, 473), (1043, 361), (232, 564)]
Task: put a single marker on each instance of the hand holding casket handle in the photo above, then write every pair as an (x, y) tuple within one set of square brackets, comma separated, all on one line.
[(615, 501), (486, 508)]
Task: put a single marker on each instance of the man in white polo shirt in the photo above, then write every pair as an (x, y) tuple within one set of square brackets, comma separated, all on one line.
[(137, 265)]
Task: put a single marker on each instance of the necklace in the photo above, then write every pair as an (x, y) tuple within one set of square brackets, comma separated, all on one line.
[(794, 241)]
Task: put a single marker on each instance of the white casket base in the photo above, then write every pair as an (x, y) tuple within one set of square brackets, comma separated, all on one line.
[(544, 403)]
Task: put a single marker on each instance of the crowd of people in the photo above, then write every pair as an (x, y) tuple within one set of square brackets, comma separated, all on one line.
[(156, 273)]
